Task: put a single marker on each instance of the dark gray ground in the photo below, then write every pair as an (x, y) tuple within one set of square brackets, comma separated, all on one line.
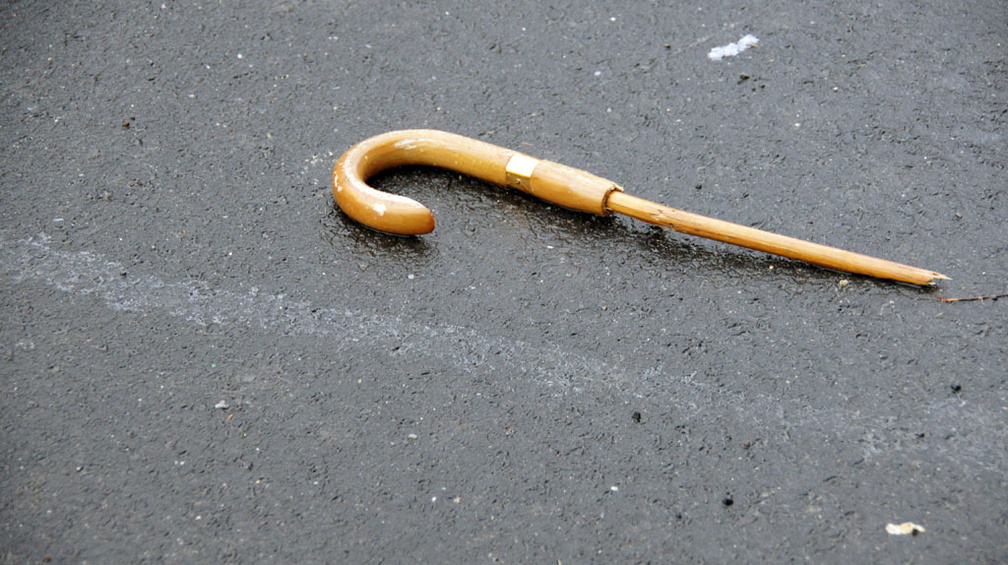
[(202, 360)]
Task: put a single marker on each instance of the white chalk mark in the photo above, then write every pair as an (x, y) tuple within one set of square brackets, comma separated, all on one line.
[(732, 49), (33, 261), (86, 273)]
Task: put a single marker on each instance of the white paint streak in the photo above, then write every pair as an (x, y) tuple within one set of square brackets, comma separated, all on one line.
[(85, 273), (732, 49), (347, 332)]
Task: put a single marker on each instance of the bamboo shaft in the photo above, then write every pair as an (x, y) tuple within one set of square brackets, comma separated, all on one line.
[(814, 253)]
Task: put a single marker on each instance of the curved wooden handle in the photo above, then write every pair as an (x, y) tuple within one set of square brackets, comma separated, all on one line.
[(560, 184)]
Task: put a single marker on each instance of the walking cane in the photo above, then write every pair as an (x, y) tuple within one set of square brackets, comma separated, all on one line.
[(560, 184)]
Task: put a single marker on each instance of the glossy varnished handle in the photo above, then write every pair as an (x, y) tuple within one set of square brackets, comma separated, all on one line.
[(566, 186)]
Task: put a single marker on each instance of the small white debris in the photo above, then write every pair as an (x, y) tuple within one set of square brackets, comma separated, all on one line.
[(614, 488), (732, 49), (904, 529), (222, 405), (380, 208), (411, 437)]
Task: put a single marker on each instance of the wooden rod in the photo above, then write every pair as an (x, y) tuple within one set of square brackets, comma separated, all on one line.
[(814, 253), (560, 184)]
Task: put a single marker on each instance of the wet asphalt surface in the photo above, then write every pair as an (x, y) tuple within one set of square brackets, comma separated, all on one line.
[(202, 360)]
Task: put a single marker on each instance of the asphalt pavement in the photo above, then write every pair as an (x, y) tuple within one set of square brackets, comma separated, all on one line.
[(203, 360)]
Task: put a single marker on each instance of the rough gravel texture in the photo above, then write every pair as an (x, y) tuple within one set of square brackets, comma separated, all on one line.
[(202, 360)]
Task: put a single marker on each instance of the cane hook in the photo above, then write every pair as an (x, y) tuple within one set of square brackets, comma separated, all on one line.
[(560, 184)]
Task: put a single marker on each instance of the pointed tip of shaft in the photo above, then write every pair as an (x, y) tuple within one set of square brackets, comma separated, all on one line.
[(936, 278)]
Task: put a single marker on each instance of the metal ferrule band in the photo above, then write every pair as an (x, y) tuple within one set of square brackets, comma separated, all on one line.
[(518, 172)]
